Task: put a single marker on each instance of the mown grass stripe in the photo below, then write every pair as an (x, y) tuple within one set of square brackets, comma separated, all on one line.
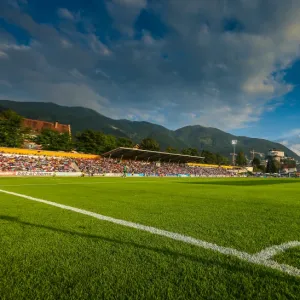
[(261, 258)]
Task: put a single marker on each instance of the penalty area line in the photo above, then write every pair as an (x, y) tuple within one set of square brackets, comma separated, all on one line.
[(262, 258)]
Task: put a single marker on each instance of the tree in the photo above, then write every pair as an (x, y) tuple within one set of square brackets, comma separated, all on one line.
[(171, 150), (11, 131), (149, 144), (124, 142), (221, 160), (257, 166), (241, 159), (89, 141), (209, 157), (256, 162), (110, 143), (54, 140), (273, 166), (94, 142), (190, 151)]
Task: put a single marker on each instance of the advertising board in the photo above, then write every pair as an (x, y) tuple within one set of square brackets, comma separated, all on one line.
[(7, 173), (28, 173), (113, 174), (68, 174)]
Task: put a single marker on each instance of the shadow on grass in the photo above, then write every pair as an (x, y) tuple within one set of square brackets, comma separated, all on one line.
[(231, 266), (243, 182)]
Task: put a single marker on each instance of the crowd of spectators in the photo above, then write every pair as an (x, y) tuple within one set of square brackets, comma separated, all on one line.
[(106, 165), (9, 162)]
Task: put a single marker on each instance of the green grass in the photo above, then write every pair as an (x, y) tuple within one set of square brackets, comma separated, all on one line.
[(50, 253)]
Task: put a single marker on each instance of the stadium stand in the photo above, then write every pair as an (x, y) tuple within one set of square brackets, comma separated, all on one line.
[(12, 162), (47, 153), (110, 165), (146, 163)]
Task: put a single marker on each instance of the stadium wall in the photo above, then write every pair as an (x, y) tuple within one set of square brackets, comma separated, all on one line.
[(209, 166), (47, 153), (39, 174)]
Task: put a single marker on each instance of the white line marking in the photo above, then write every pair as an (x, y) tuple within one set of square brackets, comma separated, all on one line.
[(274, 250), (261, 258)]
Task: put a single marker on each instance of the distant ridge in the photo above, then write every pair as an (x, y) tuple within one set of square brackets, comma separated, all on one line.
[(202, 138)]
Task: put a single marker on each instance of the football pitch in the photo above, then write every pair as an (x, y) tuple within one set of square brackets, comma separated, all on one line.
[(149, 238)]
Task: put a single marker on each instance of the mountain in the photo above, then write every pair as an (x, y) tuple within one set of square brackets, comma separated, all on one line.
[(197, 136), (215, 140)]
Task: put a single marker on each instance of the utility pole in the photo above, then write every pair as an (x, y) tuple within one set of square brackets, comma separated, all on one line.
[(233, 158), (233, 142)]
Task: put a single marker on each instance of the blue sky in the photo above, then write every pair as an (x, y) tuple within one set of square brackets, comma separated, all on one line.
[(232, 64)]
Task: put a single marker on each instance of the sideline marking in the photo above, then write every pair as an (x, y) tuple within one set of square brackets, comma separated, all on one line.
[(262, 258)]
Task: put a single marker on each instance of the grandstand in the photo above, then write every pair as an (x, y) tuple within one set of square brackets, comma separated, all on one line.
[(147, 155), (24, 162)]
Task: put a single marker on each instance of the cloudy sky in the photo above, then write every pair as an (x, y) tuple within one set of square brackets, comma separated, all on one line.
[(231, 64)]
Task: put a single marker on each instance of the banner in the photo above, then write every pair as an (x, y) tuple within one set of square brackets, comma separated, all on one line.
[(7, 173), (113, 174), (68, 174), (27, 173), (134, 175)]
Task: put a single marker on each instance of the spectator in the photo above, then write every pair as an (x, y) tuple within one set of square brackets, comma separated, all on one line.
[(13, 162), (10, 162), (108, 165)]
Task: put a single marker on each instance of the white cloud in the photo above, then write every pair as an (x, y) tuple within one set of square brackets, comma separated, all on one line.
[(291, 139), (99, 71), (65, 14), (64, 92), (285, 143), (75, 73), (295, 148), (97, 46), (65, 43), (17, 3), (131, 3), (14, 47), (3, 55), (196, 74), (125, 12), (292, 133), (5, 83)]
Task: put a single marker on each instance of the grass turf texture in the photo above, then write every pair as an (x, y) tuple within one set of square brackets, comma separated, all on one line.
[(50, 253)]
